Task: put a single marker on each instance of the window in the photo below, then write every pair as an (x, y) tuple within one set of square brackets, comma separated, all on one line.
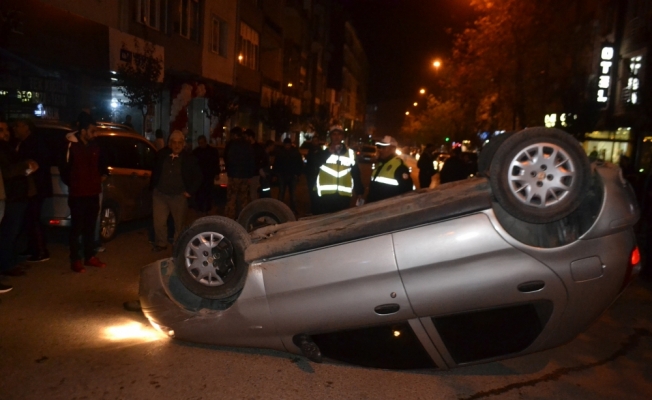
[(188, 25), (152, 13), (219, 33), (249, 41)]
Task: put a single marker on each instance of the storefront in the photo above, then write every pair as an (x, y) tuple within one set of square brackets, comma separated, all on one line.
[(609, 145)]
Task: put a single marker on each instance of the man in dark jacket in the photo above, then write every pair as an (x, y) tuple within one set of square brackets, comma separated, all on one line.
[(209, 163), (240, 167), (288, 165), (426, 167), (455, 168), (31, 146), (15, 173), (83, 168), (175, 179), (262, 163)]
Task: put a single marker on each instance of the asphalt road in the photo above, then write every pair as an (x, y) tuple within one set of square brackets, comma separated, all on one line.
[(67, 336)]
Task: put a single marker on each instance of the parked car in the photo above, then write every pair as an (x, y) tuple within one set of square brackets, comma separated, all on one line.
[(471, 271), (367, 153), (126, 192)]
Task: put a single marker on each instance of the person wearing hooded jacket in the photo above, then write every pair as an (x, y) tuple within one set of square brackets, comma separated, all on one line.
[(83, 168)]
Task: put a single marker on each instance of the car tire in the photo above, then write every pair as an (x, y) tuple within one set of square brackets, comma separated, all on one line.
[(265, 212), (108, 222), (209, 258), (488, 151), (539, 175)]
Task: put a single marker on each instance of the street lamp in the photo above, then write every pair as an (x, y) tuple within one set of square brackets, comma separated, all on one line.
[(422, 91), (436, 64), (416, 104), (407, 113)]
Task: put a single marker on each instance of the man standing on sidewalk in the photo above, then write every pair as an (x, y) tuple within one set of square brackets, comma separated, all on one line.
[(33, 147), (176, 178), (83, 169)]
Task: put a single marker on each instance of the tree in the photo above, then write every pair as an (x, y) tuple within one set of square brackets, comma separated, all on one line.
[(222, 104), (138, 78), (279, 116), (523, 59)]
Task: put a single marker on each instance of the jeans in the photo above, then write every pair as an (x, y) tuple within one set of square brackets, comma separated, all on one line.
[(289, 183), (83, 219)]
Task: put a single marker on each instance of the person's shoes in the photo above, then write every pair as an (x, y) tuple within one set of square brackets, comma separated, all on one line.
[(77, 266), (16, 271), (156, 249), (94, 262), (5, 288), (40, 258)]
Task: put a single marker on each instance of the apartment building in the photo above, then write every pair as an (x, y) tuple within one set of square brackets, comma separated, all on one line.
[(59, 56)]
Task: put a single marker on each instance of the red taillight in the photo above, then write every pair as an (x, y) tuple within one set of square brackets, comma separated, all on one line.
[(633, 267), (55, 222), (635, 257)]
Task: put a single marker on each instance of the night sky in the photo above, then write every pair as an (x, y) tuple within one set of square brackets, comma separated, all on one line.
[(401, 39)]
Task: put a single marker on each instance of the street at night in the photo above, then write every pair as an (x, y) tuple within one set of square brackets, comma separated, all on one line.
[(500, 246), (67, 336)]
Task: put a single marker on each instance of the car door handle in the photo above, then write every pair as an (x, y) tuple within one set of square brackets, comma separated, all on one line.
[(534, 286), (385, 309)]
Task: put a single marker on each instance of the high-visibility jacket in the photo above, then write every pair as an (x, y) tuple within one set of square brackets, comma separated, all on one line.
[(390, 179), (335, 175)]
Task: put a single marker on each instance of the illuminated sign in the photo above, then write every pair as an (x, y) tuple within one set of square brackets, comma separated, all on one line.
[(633, 82), (604, 77), (565, 120)]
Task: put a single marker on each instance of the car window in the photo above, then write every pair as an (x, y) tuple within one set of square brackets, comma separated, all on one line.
[(146, 156), (120, 152)]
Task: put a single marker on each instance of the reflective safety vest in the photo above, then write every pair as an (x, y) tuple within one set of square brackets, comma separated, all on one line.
[(335, 175), (387, 172)]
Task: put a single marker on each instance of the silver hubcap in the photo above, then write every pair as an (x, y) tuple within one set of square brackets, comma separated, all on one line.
[(108, 222), (541, 175), (209, 258)]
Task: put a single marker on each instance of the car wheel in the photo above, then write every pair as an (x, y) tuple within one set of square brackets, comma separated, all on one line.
[(265, 212), (488, 151), (108, 223), (539, 175), (209, 258)]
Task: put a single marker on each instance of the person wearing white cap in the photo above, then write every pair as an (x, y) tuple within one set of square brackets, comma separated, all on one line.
[(391, 177), (338, 177)]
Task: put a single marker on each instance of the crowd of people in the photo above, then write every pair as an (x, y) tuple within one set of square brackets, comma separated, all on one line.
[(181, 179)]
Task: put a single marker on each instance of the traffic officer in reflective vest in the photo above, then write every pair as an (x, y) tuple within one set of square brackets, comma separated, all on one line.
[(339, 175), (391, 177)]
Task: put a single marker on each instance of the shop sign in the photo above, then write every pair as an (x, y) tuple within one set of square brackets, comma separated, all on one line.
[(564, 120), (604, 76)]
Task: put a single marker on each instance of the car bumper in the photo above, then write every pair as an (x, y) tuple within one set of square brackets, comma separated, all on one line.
[(177, 312)]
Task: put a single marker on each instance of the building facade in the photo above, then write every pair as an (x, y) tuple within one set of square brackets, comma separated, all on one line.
[(222, 62)]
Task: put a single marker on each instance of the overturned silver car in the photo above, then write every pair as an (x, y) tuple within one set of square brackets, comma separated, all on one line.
[(472, 271)]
